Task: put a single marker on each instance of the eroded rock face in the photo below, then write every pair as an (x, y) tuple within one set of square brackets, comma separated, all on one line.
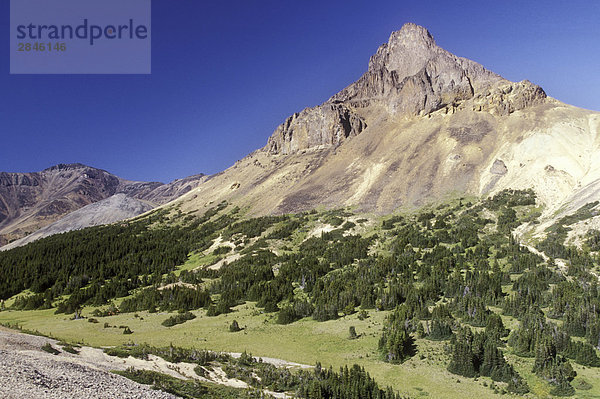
[(17, 179), (410, 75), (507, 97), (498, 168), (325, 125), (175, 189)]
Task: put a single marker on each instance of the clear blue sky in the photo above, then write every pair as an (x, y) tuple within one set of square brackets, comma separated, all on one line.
[(226, 73)]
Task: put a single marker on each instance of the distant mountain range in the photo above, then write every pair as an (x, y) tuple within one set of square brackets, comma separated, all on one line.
[(31, 201)]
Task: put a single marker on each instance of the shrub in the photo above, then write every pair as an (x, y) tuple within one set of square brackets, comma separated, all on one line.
[(234, 327), (178, 319), (563, 389), (222, 307), (363, 314), (222, 250), (583, 385), (286, 315), (50, 349)]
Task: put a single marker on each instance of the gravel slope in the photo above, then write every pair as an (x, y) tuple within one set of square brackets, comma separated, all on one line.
[(28, 372)]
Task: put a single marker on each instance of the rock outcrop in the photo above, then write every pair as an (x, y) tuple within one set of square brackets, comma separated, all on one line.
[(325, 125), (410, 75), (168, 192)]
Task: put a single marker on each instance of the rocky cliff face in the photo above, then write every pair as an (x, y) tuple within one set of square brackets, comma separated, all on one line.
[(30, 201), (326, 125), (408, 76), (419, 125), (168, 192)]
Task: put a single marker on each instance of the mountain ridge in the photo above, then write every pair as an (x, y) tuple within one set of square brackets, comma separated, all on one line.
[(418, 125), (109, 210), (34, 200)]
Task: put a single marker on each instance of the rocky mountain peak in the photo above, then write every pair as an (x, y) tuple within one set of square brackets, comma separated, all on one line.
[(412, 75), (406, 52), (412, 35), (65, 166), (420, 124), (409, 76)]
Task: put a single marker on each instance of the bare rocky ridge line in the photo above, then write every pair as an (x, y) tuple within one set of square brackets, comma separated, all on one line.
[(409, 75)]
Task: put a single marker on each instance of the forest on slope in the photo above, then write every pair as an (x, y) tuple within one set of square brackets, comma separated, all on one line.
[(452, 273)]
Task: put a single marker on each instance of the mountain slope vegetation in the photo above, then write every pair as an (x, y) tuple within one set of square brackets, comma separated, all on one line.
[(451, 273)]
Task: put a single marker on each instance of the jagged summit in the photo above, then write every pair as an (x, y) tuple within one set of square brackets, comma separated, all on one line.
[(412, 34), (406, 51), (65, 166), (408, 76), (412, 75), (409, 49)]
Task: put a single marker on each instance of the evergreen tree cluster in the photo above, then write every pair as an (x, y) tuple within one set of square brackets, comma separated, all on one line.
[(475, 354), (168, 299), (396, 343), (178, 319), (108, 260), (348, 383), (437, 272), (441, 324)]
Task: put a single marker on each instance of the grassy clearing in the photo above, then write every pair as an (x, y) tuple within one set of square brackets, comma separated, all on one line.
[(196, 260), (10, 301), (540, 389), (306, 341)]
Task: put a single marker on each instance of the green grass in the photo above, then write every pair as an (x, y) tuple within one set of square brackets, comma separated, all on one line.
[(196, 260), (305, 341), (540, 389), (10, 301)]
